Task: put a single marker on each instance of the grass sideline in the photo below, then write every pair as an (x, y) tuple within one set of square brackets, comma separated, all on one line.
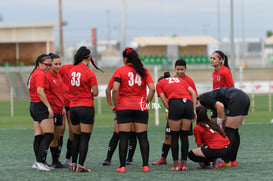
[(254, 158)]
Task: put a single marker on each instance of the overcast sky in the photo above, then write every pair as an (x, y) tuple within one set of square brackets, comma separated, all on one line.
[(144, 17)]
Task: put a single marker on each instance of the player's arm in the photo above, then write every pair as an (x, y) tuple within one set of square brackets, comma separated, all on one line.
[(164, 99), (42, 95), (151, 92), (95, 91)]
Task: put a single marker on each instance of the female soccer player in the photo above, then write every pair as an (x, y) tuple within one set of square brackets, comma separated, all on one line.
[(115, 137), (129, 102), (65, 74), (179, 98), (54, 93), (180, 69), (221, 75), (236, 105), (212, 143), (41, 111), (83, 89)]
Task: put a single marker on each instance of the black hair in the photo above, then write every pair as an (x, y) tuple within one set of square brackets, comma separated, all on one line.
[(166, 75), (202, 117), (84, 53), (53, 56), (40, 59), (180, 62), (224, 57), (132, 57)]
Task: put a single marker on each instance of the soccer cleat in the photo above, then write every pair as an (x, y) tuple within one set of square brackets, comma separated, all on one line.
[(34, 165), (145, 168), (57, 164), (183, 167), (106, 163), (180, 161), (82, 169), (42, 167), (121, 169), (67, 163), (162, 161), (216, 163), (72, 167), (234, 163), (225, 164), (175, 167), (129, 162)]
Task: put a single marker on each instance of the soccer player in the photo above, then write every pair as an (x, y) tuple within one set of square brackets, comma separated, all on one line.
[(179, 98), (236, 105), (83, 89), (221, 75), (130, 103), (180, 69), (115, 137), (212, 143), (65, 74), (54, 93), (41, 111)]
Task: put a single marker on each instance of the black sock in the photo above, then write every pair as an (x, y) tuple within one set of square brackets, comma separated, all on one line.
[(112, 146), (123, 146), (85, 137), (165, 150), (43, 148), (68, 149), (36, 144), (184, 145), (231, 134), (144, 147), (236, 145), (75, 147), (54, 154), (132, 146), (174, 146), (60, 145)]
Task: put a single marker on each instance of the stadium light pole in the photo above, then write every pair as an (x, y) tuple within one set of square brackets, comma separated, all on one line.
[(218, 21), (232, 57), (123, 25), (61, 29)]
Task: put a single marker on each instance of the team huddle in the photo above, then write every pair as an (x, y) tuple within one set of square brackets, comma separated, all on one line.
[(66, 92)]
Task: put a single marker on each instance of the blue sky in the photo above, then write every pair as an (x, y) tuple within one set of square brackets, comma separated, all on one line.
[(144, 17)]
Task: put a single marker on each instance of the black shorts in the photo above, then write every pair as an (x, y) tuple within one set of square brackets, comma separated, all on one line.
[(38, 111), (180, 109), (82, 114), (58, 119), (66, 108), (214, 153), (238, 105), (132, 116)]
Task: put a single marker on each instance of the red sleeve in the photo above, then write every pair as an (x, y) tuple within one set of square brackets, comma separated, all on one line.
[(197, 131), (93, 79), (148, 78), (228, 79), (40, 82), (158, 88)]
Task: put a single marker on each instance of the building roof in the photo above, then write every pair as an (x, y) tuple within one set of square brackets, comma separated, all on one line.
[(269, 41), (178, 40), (26, 33)]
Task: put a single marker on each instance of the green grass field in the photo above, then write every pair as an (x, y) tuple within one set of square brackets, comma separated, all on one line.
[(254, 158)]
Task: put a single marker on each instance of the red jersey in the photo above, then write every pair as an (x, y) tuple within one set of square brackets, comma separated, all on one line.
[(37, 79), (173, 87), (54, 92), (132, 90), (81, 81), (190, 82), (64, 72), (209, 137), (222, 78)]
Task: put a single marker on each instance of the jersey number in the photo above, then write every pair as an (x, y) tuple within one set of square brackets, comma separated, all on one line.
[(173, 79), (134, 80), (76, 79)]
